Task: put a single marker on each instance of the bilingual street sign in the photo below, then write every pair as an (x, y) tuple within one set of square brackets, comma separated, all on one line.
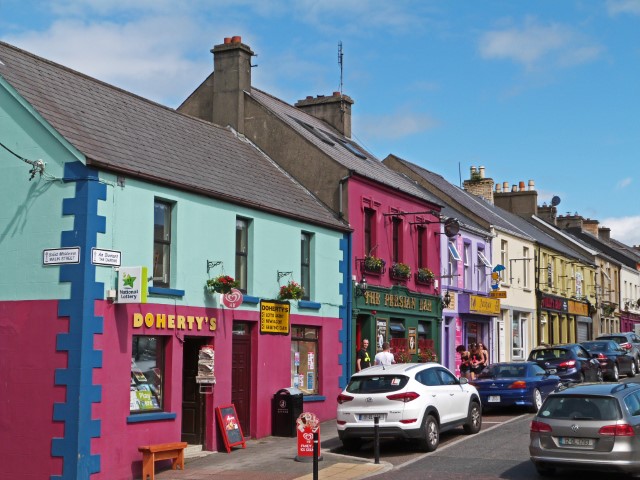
[(110, 258), (61, 256), (498, 294)]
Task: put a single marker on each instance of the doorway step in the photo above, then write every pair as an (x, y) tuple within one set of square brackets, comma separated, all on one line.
[(195, 451)]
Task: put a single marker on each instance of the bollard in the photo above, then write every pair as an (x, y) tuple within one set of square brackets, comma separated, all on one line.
[(376, 439), (315, 455)]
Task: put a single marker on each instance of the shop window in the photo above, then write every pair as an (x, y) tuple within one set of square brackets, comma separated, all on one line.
[(305, 264), (242, 252), (304, 358), (161, 243), (396, 329), (147, 374), (466, 261)]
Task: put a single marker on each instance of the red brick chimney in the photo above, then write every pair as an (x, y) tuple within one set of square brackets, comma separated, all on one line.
[(334, 110)]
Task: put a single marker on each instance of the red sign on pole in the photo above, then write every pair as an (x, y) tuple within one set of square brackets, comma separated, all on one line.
[(307, 424), (233, 299)]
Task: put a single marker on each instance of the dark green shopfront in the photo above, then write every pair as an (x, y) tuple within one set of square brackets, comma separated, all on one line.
[(409, 321)]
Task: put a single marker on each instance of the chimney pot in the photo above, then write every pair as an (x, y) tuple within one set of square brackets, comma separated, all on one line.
[(309, 97), (521, 186), (514, 188), (473, 169), (481, 169), (227, 40), (505, 186), (498, 188), (336, 94), (236, 39), (532, 185)]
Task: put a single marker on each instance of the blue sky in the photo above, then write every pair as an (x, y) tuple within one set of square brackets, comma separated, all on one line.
[(545, 90)]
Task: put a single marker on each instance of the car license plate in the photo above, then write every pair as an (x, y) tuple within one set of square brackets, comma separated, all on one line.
[(551, 371), (371, 416), (494, 398), (578, 442)]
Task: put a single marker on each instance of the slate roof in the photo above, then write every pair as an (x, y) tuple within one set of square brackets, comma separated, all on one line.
[(611, 250), (496, 216), (368, 167), (122, 132)]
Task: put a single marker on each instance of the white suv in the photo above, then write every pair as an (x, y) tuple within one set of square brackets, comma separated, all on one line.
[(414, 401)]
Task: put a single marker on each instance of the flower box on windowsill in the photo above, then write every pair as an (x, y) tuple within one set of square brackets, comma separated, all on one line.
[(400, 271), (422, 280), (374, 265), (398, 277)]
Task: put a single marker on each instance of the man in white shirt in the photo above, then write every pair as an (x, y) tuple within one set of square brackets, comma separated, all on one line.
[(385, 357)]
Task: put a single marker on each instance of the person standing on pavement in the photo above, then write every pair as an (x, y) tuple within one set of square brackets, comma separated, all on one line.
[(363, 360), (385, 357)]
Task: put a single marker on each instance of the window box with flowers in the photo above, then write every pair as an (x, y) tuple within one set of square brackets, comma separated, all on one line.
[(427, 355), (291, 291), (425, 276), (221, 284), (400, 271), (373, 264)]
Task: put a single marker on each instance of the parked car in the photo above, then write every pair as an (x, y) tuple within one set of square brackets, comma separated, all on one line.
[(627, 340), (413, 401), (612, 357), (515, 384), (589, 426), (570, 361)]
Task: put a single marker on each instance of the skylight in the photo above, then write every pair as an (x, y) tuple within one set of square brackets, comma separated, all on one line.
[(317, 133)]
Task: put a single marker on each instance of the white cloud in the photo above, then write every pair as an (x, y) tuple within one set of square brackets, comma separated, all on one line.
[(394, 126), (615, 7), (535, 44), (624, 183), (624, 229)]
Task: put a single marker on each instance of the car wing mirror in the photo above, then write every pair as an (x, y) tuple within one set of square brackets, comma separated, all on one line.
[(463, 380)]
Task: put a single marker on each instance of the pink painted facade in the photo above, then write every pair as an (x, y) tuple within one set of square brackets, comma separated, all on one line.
[(30, 360)]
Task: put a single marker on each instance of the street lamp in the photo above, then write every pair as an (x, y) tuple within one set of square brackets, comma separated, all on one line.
[(361, 288), (446, 300)]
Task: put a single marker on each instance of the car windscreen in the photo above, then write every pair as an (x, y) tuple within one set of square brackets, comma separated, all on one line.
[(596, 346), (576, 407), (615, 339), (377, 383)]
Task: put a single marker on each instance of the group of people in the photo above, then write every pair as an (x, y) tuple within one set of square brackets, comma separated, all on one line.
[(385, 357), (474, 360)]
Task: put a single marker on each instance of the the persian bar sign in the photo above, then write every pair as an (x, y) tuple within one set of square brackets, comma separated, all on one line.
[(488, 306), (274, 317)]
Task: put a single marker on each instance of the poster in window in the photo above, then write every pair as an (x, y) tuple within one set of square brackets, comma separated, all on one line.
[(381, 333), (412, 340), (310, 381), (310, 361)]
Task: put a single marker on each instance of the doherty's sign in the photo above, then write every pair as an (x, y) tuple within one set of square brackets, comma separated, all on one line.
[(274, 317)]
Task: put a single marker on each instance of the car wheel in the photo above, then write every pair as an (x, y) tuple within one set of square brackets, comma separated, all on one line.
[(545, 471), (351, 444), (615, 376), (536, 401), (633, 371), (474, 419), (430, 434), (581, 378)]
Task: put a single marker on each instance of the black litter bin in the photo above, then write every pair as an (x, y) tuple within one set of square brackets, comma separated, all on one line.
[(286, 408)]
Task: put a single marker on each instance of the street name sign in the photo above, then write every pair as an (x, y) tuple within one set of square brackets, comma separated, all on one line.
[(61, 256), (111, 258)]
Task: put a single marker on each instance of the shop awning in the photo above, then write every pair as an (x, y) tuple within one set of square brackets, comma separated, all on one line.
[(396, 326)]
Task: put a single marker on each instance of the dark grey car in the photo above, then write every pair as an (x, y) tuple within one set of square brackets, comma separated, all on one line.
[(588, 426), (629, 341)]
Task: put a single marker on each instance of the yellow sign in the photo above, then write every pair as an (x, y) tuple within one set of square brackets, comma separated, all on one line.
[(578, 308), (498, 294), (485, 305), (274, 317), (165, 321)]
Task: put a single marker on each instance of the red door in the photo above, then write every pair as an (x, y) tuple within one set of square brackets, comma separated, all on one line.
[(241, 375)]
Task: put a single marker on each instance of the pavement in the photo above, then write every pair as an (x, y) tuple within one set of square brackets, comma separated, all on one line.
[(274, 458)]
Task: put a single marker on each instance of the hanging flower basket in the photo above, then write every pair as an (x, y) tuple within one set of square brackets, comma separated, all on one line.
[(425, 276), (427, 355), (374, 264), (400, 271), (402, 355), (221, 284), (291, 291)]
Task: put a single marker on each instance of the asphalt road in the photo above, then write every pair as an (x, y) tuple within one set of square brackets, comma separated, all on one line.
[(499, 451)]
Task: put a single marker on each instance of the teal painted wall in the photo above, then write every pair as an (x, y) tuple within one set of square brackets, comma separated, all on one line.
[(31, 217), (204, 230)]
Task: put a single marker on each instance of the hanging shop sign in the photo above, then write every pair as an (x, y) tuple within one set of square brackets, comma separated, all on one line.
[(498, 294), (488, 306), (274, 317), (233, 299), (164, 321), (61, 256), (132, 285)]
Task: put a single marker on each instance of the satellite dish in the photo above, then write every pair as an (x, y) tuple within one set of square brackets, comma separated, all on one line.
[(555, 201), (451, 227)]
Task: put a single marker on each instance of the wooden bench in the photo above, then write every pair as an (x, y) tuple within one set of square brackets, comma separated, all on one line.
[(162, 451)]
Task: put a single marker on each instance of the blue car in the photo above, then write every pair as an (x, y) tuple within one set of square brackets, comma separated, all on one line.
[(515, 384)]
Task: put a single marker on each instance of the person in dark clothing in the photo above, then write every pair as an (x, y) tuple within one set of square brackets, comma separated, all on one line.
[(363, 360)]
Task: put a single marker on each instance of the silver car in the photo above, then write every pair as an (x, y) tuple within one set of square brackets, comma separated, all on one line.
[(588, 426)]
